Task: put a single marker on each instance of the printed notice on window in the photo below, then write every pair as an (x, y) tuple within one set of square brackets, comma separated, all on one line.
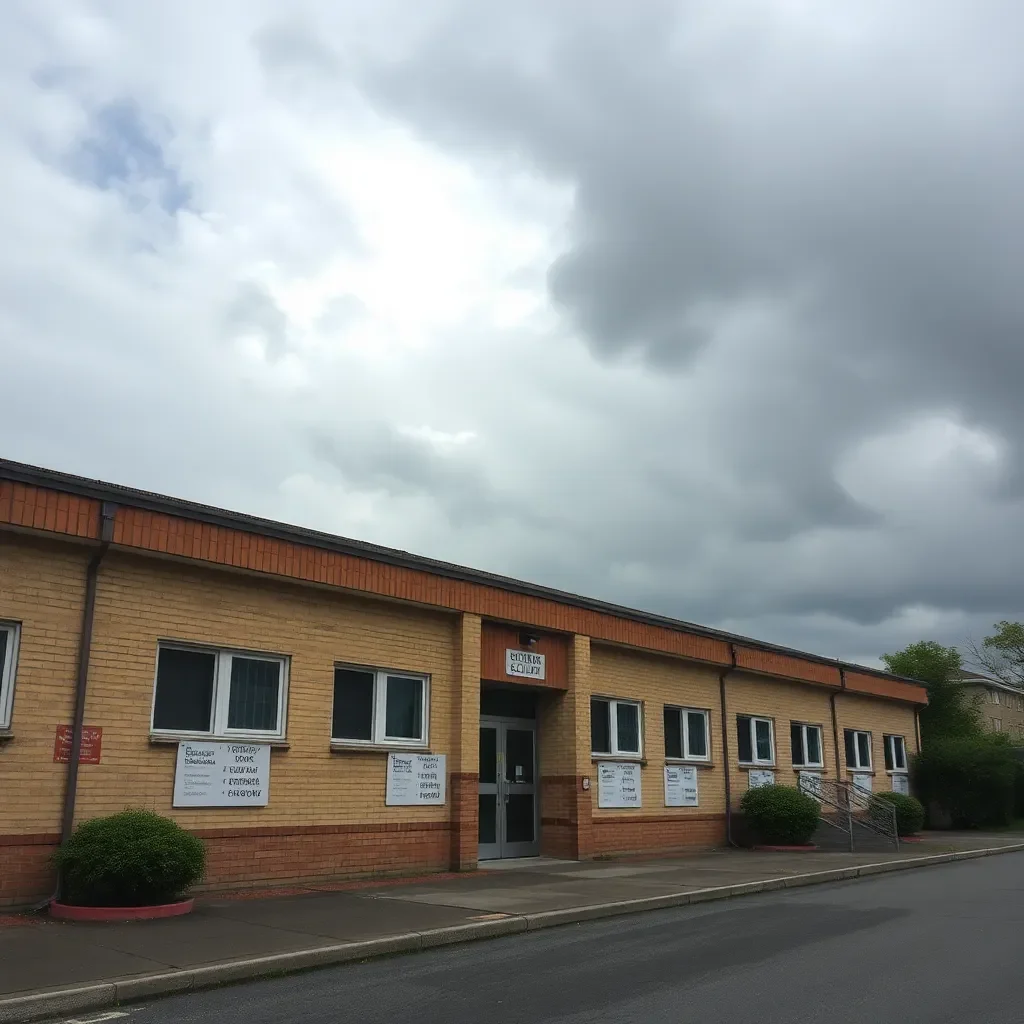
[(618, 784), (680, 785), (415, 779), (901, 784), (757, 778), (222, 774)]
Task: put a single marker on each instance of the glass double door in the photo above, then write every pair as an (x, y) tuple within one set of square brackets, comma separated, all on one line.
[(508, 788)]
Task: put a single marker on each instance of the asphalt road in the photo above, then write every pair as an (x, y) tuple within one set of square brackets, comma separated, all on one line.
[(936, 945)]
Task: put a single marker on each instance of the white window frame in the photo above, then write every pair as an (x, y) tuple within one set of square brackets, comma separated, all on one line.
[(685, 738), (804, 726), (995, 697), (754, 719), (858, 767), (8, 672), (613, 728), (889, 740), (222, 693), (379, 716)]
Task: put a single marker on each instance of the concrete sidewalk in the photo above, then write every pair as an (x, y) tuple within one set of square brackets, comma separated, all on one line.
[(48, 967)]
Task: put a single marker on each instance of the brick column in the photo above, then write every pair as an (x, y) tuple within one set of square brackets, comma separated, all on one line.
[(579, 696), (464, 759)]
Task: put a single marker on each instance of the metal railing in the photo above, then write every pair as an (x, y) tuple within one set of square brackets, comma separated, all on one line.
[(851, 807)]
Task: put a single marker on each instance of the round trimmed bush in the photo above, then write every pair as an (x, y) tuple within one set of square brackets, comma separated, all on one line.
[(133, 859), (780, 815), (909, 812)]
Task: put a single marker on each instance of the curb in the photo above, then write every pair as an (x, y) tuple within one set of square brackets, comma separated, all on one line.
[(103, 995)]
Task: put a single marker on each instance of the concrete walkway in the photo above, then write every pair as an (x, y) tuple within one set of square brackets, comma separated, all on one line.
[(245, 936)]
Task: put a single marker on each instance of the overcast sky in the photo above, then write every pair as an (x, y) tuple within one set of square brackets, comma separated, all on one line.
[(711, 308)]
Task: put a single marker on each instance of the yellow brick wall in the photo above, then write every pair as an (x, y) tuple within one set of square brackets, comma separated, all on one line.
[(657, 681), (42, 586), (783, 702), (880, 718), (140, 602), (1009, 712)]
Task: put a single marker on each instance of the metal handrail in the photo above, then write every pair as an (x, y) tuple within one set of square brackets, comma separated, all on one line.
[(852, 804)]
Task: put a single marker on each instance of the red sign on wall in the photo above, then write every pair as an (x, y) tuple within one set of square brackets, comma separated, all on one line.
[(92, 744)]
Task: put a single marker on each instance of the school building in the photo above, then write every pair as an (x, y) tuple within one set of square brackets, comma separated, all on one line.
[(318, 708)]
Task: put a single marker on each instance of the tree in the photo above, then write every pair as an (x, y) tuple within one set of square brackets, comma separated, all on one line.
[(951, 711), (1002, 654)]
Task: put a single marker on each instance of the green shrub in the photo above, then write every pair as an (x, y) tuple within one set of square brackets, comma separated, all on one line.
[(132, 859), (909, 812), (970, 778), (780, 815)]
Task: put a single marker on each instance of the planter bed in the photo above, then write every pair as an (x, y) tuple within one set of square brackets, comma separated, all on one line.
[(67, 912)]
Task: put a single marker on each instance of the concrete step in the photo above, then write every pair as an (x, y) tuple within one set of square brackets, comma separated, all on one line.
[(828, 838)]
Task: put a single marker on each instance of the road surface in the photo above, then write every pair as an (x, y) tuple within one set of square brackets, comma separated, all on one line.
[(939, 944)]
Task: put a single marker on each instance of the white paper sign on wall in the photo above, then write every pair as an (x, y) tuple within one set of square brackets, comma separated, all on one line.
[(618, 784), (758, 777), (901, 784), (863, 781), (680, 785), (524, 664), (209, 774), (810, 783), (415, 779)]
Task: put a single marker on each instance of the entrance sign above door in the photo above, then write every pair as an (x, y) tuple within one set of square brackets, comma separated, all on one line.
[(415, 779), (680, 786), (524, 664), (618, 784)]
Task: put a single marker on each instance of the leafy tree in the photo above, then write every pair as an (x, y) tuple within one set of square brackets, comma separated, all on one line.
[(951, 711), (1002, 654)]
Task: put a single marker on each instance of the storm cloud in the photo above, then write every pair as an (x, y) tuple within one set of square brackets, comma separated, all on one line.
[(708, 308)]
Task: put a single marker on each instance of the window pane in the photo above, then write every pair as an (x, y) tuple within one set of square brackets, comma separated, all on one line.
[(851, 749), (488, 756), (673, 733), (763, 736), (3, 650), (864, 750), (900, 752), (255, 692), (184, 690), (796, 741), (813, 745), (697, 734), (628, 728), (745, 750), (887, 744), (404, 712), (600, 735), (353, 705)]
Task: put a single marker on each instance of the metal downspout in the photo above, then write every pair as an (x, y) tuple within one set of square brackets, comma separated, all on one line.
[(107, 514), (722, 676)]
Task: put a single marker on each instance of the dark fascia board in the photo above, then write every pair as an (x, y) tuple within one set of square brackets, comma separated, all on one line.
[(37, 476)]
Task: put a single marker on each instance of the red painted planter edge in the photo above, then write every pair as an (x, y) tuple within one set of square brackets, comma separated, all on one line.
[(67, 912), (787, 849)]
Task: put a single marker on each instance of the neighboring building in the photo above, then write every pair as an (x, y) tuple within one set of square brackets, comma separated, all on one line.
[(1000, 705), (318, 708)]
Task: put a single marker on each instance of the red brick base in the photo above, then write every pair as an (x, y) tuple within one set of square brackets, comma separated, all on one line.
[(654, 835), (26, 873)]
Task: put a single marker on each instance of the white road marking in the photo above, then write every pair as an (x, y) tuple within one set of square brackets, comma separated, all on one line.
[(98, 1019)]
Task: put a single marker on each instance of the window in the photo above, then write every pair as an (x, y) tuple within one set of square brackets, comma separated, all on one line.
[(9, 633), (218, 692), (614, 726), (895, 754), (378, 706), (858, 749), (806, 742), (686, 733), (756, 740), (997, 725), (995, 696)]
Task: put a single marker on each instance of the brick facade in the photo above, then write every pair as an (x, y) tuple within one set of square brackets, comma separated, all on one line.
[(166, 579)]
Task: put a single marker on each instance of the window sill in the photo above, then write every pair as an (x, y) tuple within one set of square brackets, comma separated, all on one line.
[(6, 734), (176, 738), (896, 771), (615, 758), (860, 771), (376, 748), (747, 765), (693, 761), (809, 768)]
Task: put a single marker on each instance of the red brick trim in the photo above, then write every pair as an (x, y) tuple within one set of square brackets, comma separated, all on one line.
[(321, 830), (31, 839), (661, 819)]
